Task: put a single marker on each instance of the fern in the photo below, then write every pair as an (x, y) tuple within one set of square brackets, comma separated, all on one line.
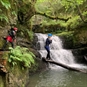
[(5, 3), (14, 13), (3, 17), (32, 54), (28, 57), (21, 55)]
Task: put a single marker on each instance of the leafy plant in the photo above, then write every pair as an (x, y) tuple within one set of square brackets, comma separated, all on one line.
[(21, 55), (5, 3), (30, 34), (3, 17)]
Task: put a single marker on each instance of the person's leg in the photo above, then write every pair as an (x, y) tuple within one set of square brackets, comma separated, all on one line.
[(5, 44), (48, 54), (12, 44)]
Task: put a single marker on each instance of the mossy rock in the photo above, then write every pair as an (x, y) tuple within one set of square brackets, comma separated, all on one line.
[(80, 37)]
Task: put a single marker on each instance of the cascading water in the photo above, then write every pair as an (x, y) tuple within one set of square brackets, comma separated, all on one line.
[(58, 54)]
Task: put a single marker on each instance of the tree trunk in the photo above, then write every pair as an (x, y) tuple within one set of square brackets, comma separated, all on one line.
[(64, 66), (79, 11)]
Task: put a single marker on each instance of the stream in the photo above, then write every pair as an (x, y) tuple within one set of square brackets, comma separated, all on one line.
[(56, 76)]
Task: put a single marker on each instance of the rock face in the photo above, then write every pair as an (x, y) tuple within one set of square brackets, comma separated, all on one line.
[(17, 78), (11, 76), (80, 38), (3, 33)]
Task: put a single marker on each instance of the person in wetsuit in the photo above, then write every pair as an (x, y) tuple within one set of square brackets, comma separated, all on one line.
[(47, 43), (11, 37)]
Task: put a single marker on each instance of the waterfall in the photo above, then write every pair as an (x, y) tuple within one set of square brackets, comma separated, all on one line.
[(58, 53)]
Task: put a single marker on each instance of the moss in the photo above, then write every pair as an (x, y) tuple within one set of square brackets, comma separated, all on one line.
[(2, 79), (1, 41), (66, 33), (18, 76), (80, 36)]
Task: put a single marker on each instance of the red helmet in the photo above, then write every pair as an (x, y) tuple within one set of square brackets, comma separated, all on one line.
[(15, 28)]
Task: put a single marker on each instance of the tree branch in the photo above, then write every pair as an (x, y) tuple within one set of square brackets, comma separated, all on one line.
[(51, 17)]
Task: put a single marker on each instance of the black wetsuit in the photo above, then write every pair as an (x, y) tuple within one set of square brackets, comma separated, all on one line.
[(48, 42)]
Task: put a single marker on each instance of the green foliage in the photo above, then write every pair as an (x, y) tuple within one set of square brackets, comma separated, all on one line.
[(49, 7), (68, 34), (21, 55), (74, 22), (14, 13), (3, 17), (85, 15), (5, 6), (30, 34), (5, 3), (72, 3), (40, 1)]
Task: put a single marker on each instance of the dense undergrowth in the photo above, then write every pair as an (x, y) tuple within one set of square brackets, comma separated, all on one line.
[(22, 56)]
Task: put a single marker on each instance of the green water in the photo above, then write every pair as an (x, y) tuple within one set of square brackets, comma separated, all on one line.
[(58, 78)]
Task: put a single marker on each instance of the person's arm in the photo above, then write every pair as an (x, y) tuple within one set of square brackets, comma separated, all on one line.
[(14, 38), (50, 40)]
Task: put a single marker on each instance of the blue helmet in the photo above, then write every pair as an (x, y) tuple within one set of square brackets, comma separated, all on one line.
[(49, 34)]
